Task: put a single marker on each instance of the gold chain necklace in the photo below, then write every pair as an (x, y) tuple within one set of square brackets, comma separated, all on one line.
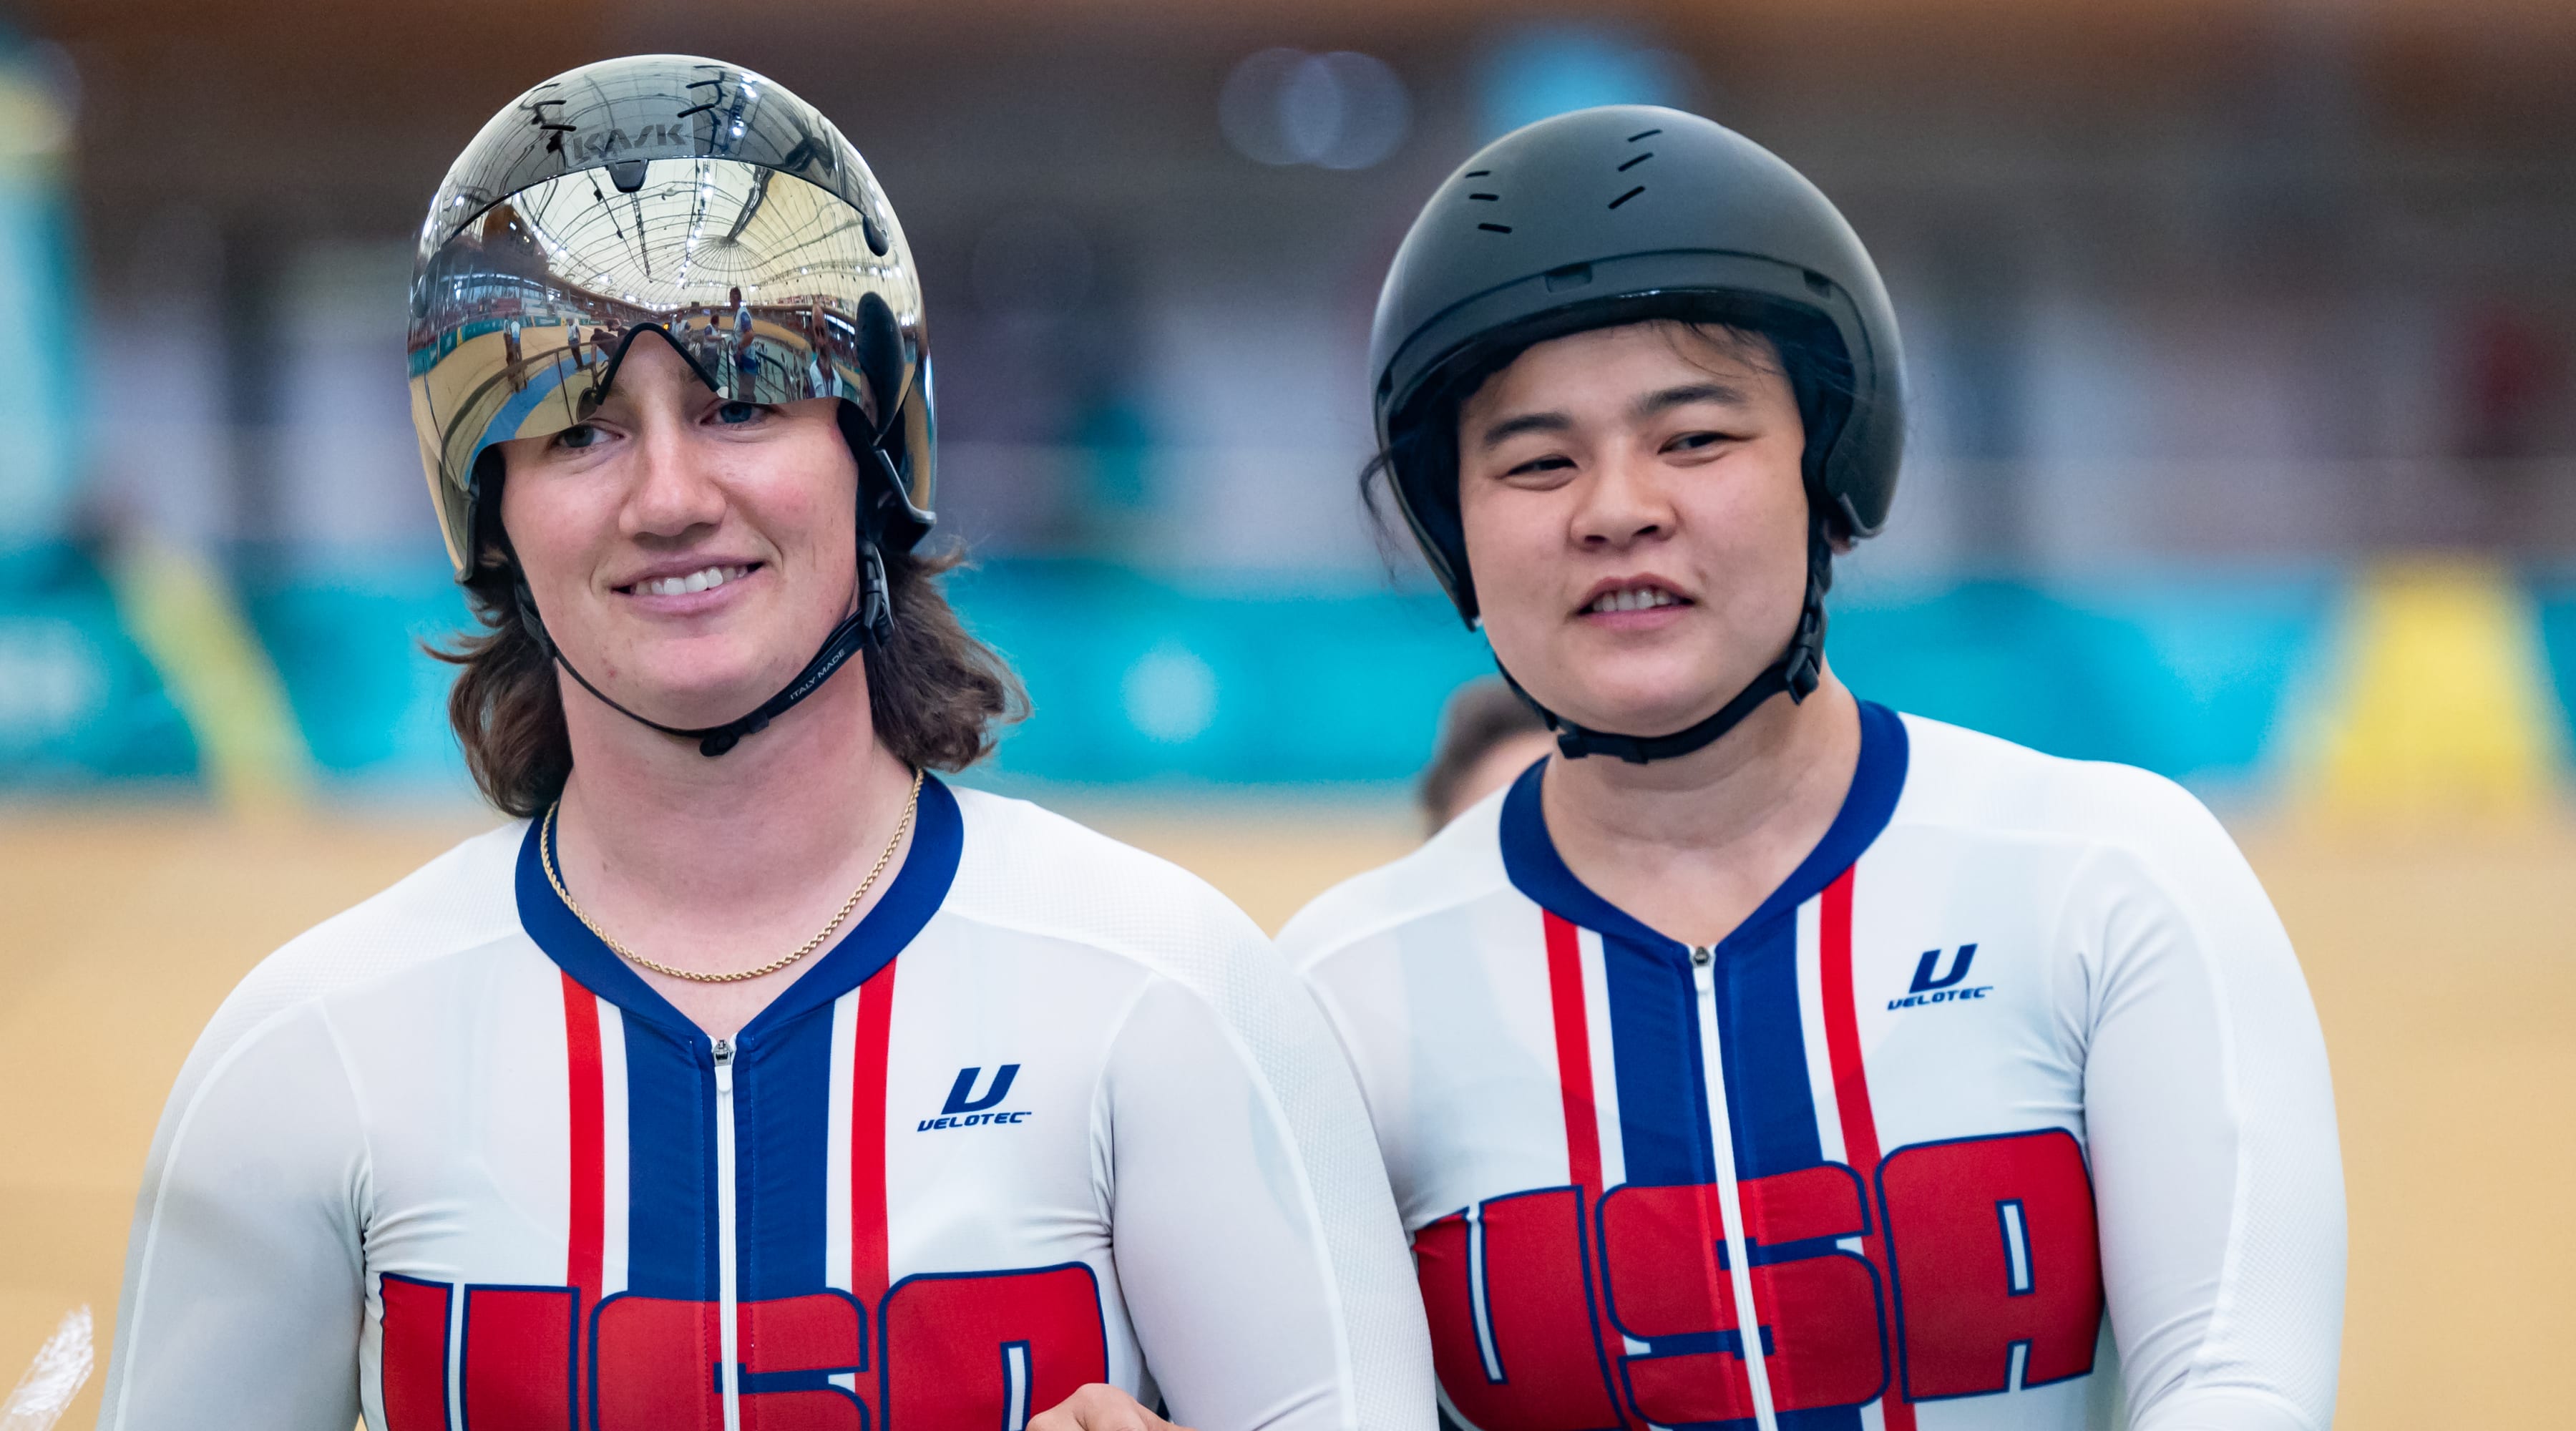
[(546, 849)]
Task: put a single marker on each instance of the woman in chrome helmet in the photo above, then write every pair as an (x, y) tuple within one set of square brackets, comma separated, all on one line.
[(754, 1077)]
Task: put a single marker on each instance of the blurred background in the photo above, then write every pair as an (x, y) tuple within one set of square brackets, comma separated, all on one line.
[(2242, 333)]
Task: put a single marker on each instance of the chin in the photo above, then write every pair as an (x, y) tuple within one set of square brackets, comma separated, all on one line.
[(704, 688), (1639, 702)]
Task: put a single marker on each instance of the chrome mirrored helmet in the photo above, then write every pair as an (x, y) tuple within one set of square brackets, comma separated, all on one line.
[(701, 202), (669, 193)]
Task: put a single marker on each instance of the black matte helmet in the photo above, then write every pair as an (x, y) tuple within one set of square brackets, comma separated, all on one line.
[(1622, 214)]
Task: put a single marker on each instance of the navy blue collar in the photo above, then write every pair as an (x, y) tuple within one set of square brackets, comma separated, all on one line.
[(1537, 870), (919, 887)]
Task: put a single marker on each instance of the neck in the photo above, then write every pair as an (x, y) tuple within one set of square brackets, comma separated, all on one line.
[(1692, 845), (771, 826)]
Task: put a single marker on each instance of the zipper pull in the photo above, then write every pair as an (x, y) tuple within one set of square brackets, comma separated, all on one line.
[(1700, 955), (724, 1052)]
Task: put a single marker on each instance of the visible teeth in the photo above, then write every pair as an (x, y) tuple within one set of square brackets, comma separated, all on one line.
[(1637, 599), (695, 581)]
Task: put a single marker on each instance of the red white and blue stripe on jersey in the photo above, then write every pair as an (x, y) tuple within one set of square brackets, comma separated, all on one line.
[(1725, 1170), (785, 1143)]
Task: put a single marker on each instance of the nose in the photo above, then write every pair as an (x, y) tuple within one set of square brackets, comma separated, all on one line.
[(677, 492), (1622, 503)]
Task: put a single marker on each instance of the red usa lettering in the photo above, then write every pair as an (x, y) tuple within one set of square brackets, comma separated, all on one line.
[(966, 1349), (1534, 1299)]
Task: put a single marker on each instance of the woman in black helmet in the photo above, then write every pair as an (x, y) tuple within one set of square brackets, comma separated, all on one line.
[(1764, 1057), (751, 1077)]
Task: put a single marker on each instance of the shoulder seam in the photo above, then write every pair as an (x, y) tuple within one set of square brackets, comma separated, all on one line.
[(1100, 1081), (1341, 942), (2231, 1064), (1295, 1150), (159, 1175), (1118, 949), (358, 1102)]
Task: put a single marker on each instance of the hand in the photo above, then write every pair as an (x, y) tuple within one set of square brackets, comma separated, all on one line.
[(1100, 1407)]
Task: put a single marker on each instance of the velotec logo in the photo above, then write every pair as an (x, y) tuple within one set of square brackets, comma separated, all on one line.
[(964, 1110), (1932, 987)]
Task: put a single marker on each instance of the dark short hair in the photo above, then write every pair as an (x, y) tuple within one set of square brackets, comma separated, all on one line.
[(935, 693), (1480, 715)]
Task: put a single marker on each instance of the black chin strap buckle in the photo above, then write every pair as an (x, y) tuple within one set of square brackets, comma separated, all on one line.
[(876, 600), (728, 737)]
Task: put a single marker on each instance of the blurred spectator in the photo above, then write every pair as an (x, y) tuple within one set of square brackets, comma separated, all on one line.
[(1487, 737), (2514, 380)]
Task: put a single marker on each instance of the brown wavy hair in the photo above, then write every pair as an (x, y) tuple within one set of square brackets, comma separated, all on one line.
[(936, 694)]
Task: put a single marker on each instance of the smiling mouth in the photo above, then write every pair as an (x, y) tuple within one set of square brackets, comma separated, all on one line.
[(703, 579), (1643, 598)]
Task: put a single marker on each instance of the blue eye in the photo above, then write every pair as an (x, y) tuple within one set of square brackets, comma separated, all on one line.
[(734, 414), (578, 436)]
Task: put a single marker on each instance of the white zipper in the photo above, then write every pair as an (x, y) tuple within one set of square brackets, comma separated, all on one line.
[(1730, 1197), (728, 1334)]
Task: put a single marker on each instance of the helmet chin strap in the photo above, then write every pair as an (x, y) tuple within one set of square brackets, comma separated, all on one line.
[(871, 624), (1797, 672)]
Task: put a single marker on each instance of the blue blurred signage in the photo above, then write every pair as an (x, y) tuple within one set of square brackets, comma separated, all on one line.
[(40, 364)]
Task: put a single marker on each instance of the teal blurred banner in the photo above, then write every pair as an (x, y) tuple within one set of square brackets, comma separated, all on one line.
[(80, 703), (1140, 681)]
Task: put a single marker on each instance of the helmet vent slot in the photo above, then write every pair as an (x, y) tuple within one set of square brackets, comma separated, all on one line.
[(1644, 134), (1495, 228), (1623, 198), (1640, 159), (1488, 198), (1475, 173)]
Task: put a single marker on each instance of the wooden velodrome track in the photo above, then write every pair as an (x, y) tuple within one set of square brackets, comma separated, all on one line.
[(2444, 965)]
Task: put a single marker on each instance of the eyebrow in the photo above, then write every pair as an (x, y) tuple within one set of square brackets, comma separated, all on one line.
[(1512, 427), (1658, 403)]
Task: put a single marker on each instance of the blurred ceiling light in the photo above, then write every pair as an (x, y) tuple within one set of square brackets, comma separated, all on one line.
[(39, 97), (1530, 72), (1342, 110), (1170, 694)]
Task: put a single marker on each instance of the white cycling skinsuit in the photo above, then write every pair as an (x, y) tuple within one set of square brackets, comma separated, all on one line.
[(2021, 1042), (1052, 1113)]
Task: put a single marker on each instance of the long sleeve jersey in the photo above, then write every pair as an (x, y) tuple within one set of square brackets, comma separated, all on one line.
[(1052, 1113), (2020, 1044)]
